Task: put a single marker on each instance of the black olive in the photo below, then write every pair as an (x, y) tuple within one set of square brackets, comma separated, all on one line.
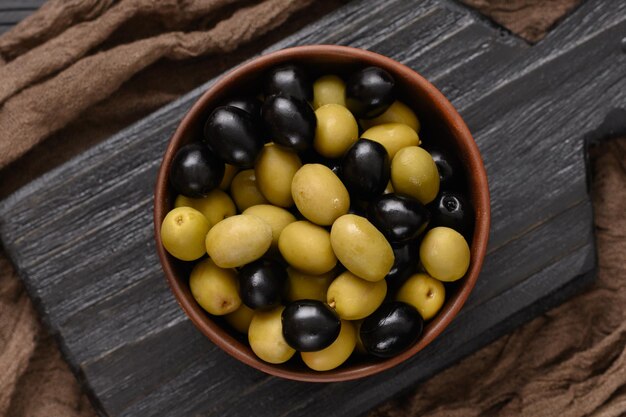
[(310, 325), (365, 169), (391, 329), (261, 283), (289, 80), (289, 121), (451, 209), (404, 265), (234, 135), (195, 171), (449, 167), (249, 104), (400, 218), (369, 92)]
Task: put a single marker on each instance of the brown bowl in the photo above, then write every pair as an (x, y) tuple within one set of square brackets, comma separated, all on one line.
[(440, 119)]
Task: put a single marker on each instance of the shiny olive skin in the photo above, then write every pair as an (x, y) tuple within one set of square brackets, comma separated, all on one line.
[(289, 80), (265, 335), (310, 325), (451, 209), (249, 104), (414, 173), (398, 112), (183, 232), (195, 171), (289, 121), (261, 283), (391, 329), (400, 218), (404, 265), (369, 92), (365, 169), (335, 354), (329, 89), (445, 254), (449, 167), (234, 135)]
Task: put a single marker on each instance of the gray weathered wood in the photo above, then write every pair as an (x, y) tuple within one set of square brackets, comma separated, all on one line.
[(81, 236)]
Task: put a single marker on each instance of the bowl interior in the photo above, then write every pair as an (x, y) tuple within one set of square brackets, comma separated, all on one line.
[(441, 125)]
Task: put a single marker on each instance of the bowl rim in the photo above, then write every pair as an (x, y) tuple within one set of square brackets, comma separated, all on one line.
[(477, 179)]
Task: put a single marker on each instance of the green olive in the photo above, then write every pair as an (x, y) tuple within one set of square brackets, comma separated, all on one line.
[(245, 190), (336, 130), (329, 89), (393, 136), (354, 298), (238, 240), (414, 173), (306, 247), (335, 354), (183, 231), (301, 286), (216, 206), (265, 335), (274, 169), (278, 218), (423, 292), (229, 174), (361, 248), (319, 194), (240, 319), (215, 289), (398, 112), (445, 254)]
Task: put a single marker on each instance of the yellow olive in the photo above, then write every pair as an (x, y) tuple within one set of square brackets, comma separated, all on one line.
[(336, 130), (389, 188), (414, 173), (238, 240), (229, 174), (361, 248), (445, 254), (183, 231), (306, 247), (216, 206), (423, 292), (265, 335), (354, 298), (319, 194), (278, 218), (398, 112), (335, 354), (240, 319), (301, 286), (245, 190), (393, 136), (215, 289), (329, 89), (274, 169)]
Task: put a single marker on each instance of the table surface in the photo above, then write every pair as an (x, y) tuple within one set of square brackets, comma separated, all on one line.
[(81, 235), (14, 11)]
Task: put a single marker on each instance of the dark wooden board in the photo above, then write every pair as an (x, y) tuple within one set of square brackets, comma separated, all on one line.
[(14, 11), (81, 236)]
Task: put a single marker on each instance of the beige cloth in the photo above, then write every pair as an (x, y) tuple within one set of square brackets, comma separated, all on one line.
[(80, 70)]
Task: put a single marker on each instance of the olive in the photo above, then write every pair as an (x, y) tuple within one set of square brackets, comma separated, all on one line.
[(361, 248), (310, 325), (214, 288), (265, 336), (404, 264), (414, 173), (445, 254), (423, 292), (391, 329), (238, 240), (245, 190), (398, 112), (451, 209), (335, 354), (216, 206), (289, 80), (449, 167), (393, 136), (234, 135), (240, 319), (354, 298), (278, 218), (289, 121), (301, 286), (183, 231), (306, 247), (229, 173), (249, 104), (329, 89), (365, 169), (369, 92), (274, 169), (261, 283), (195, 171), (336, 130), (400, 218)]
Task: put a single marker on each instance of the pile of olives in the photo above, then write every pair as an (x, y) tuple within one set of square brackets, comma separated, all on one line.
[(329, 230)]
